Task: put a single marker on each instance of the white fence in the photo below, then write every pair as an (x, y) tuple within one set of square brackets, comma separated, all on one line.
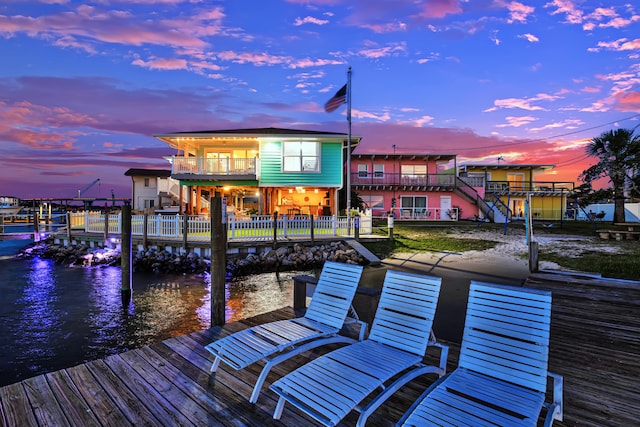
[(198, 227)]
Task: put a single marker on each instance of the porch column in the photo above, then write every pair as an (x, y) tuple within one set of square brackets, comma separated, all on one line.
[(198, 199)]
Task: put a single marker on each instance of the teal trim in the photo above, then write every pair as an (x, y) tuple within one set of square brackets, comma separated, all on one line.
[(331, 165)]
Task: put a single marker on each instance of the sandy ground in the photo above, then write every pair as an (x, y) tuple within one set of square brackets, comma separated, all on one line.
[(514, 245), (506, 263)]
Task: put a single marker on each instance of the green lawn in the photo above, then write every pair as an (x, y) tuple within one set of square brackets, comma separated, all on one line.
[(596, 258)]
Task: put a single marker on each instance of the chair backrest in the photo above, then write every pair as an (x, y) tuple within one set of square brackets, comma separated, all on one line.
[(506, 334), (334, 293), (405, 312)]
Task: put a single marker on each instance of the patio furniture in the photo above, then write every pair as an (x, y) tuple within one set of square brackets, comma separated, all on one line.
[(329, 387), (278, 341), (501, 377)]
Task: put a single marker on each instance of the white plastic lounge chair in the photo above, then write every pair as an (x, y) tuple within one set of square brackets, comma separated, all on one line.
[(501, 378), (278, 341), (329, 387)]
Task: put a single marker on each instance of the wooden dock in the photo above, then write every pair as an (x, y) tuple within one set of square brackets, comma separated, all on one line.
[(595, 345)]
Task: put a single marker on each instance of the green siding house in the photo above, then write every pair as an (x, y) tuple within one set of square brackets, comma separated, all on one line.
[(259, 171)]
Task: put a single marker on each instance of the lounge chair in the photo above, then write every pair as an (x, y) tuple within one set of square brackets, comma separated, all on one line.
[(501, 378), (280, 340), (329, 387)]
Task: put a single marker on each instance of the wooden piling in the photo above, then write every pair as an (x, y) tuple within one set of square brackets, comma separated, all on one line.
[(313, 240), (126, 253), (185, 232), (275, 230), (68, 215), (106, 227), (145, 231), (36, 227), (218, 262)]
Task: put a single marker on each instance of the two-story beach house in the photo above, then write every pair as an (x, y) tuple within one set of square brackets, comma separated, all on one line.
[(259, 171), (505, 187), (412, 186)]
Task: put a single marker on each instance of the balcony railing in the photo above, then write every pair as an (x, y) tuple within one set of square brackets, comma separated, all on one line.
[(398, 179), (207, 166), (545, 186)]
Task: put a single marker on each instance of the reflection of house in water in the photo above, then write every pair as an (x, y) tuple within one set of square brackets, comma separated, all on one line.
[(258, 171)]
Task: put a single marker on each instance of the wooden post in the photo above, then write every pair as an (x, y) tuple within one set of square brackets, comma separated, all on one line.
[(356, 227), (36, 227), (185, 231), (218, 262), (106, 227), (69, 227), (300, 290), (145, 230), (275, 230), (312, 230), (533, 257), (125, 254)]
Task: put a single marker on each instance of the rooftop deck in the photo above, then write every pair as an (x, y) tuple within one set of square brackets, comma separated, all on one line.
[(595, 344)]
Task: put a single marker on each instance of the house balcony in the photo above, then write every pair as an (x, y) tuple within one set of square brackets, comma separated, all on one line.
[(524, 187), (210, 169), (397, 181)]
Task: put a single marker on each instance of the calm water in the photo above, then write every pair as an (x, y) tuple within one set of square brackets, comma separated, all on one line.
[(52, 317)]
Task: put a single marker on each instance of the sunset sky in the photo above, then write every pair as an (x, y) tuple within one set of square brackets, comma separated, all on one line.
[(84, 86)]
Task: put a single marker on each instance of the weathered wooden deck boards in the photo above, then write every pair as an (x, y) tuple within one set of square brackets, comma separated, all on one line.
[(595, 344)]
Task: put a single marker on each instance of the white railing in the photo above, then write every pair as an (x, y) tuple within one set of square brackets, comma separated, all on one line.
[(206, 166), (198, 227), (428, 214)]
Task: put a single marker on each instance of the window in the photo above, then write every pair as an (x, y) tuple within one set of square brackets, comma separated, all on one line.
[(300, 156), (413, 206), (413, 171), (375, 202), (146, 182), (378, 171), (363, 170), (149, 203)]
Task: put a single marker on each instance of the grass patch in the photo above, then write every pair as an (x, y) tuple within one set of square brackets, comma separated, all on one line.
[(621, 266), (415, 238), (438, 237)]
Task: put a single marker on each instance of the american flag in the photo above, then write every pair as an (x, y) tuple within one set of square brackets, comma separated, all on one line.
[(337, 100)]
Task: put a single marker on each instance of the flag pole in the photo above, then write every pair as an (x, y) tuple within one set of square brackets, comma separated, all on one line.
[(349, 151)]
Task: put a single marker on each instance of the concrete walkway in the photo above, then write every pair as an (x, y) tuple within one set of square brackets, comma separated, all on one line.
[(456, 272)]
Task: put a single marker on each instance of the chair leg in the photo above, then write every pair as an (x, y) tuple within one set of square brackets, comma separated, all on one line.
[(277, 413), (215, 364)]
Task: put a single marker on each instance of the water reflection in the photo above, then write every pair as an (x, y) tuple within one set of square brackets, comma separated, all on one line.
[(53, 317)]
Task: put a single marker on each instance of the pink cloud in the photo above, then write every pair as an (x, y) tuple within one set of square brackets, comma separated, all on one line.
[(439, 8), (629, 101), (162, 64)]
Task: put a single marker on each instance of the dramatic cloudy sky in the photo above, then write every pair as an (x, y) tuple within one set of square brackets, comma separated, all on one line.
[(84, 86)]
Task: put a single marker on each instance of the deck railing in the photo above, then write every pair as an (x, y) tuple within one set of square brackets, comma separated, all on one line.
[(207, 166), (384, 178), (255, 228)]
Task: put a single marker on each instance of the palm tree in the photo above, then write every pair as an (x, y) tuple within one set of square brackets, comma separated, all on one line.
[(619, 154)]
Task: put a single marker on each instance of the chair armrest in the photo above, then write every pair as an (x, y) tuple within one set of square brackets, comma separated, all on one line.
[(555, 409), (444, 355), (363, 326)]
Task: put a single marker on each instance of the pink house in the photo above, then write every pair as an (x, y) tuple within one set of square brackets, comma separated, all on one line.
[(413, 186)]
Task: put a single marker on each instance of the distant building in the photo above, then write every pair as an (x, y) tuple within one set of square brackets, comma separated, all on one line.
[(150, 189), (411, 186), (505, 187)]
